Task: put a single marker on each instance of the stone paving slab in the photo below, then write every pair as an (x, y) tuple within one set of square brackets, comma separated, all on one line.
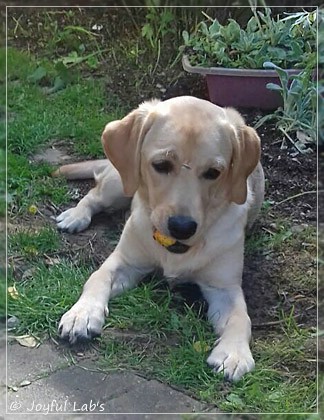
[(30, 363), (54, 386), (75, 390)]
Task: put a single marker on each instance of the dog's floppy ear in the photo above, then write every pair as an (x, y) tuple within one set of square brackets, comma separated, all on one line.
[(122, 142), (246, 155)]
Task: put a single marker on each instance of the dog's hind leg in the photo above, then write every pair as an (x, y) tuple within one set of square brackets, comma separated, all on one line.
[(107, 193)]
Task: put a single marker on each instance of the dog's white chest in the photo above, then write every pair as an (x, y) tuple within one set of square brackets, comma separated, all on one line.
[(181, 267)]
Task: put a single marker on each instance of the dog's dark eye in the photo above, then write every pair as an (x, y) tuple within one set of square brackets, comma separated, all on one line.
[(211, 174), (163, 166)]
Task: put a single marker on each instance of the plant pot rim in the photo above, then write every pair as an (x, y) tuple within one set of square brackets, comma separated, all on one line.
[(224, 71)]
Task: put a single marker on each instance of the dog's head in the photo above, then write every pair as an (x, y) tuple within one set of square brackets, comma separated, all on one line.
[(187, 158)]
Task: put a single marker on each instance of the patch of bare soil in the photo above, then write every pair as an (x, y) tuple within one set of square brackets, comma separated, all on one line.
[(272, 281)]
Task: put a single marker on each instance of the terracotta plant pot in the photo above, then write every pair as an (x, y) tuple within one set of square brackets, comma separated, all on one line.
[(239, 87)]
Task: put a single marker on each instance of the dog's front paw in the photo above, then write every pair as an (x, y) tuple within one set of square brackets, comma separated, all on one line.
[(233, 359), (73, 220), (83, 321)]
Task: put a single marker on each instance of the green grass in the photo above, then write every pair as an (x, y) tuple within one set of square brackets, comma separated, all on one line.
[(31, 184), (40, 118), (43, 298), (173, 356), (31, 243), (37, 118), (280, 236), (2, 183), (2, 294), (178, 342)]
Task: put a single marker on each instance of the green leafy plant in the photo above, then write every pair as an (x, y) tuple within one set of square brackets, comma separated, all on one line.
[(159, 23), (296, 119), (288, 42), (76, 47)]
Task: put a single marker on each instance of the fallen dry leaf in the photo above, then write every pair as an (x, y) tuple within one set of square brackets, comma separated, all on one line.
[(51, 261), (27, 341), (24, 383), (13, 292), (200, 346), (32, 209)]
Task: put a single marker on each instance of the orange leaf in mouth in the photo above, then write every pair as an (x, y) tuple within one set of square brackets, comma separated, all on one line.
[(163, 239)]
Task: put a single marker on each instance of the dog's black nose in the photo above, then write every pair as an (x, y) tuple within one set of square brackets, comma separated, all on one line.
[(181, 227)]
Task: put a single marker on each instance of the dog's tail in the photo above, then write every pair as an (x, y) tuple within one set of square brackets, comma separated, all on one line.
[(81, 170)]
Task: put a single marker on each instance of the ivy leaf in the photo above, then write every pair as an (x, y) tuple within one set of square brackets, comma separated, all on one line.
[(59, 84), (147, 31), (38, 75)]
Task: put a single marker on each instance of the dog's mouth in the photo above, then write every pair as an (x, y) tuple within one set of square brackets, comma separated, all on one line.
[(172, 245)]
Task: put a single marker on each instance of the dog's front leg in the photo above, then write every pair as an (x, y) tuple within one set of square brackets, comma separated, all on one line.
[(121, 271), (228, 314)]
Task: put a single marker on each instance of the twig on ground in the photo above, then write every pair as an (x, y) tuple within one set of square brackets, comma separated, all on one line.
[(296, 196), (291, 140), (54, 206), (17, 21), (273, 323)]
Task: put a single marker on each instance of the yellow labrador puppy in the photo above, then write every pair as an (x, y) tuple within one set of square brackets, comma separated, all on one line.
[(194, 171)]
